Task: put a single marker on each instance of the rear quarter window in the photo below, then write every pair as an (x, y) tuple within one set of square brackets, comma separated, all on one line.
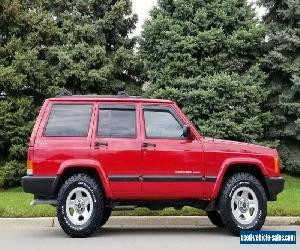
[(69, 120)]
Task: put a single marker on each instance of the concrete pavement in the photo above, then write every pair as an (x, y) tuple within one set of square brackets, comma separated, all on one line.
[(136, 221), (120, 233)]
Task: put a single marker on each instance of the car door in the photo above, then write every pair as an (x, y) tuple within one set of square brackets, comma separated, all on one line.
[(172, 164), (117, 146)]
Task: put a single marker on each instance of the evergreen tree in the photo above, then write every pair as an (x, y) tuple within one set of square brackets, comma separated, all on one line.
[(16, 121), (283, 65), (84, 46), (95, 53), (27, 32), (204, 55)]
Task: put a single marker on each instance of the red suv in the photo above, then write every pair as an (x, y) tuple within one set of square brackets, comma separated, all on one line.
[(90, 154)]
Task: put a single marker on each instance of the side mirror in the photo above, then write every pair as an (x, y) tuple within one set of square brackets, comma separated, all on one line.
[(186, 131)]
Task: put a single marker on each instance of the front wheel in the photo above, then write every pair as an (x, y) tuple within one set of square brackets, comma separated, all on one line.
[(243, 203), (80, 205), (106, 214), (215, 218)]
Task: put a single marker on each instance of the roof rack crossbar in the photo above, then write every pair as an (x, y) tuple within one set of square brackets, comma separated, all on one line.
[(123, 93)]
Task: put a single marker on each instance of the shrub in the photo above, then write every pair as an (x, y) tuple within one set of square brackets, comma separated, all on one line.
[(11, 173)]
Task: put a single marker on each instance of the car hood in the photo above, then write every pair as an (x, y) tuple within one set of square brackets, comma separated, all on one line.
[(238, 147)]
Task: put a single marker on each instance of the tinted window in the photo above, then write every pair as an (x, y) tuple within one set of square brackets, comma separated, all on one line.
[(69, 120), (116, 121), (161, 124)]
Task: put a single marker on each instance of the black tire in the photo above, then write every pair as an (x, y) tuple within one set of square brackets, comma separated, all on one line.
[(106, 215), (97, 200), (235, 182), (215, 218)]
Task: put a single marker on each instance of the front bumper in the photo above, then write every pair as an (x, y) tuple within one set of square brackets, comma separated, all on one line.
[(275, 185), (40, 186)]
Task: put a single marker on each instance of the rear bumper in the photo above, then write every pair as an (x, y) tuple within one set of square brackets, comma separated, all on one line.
[(40, 186), (275, 185)]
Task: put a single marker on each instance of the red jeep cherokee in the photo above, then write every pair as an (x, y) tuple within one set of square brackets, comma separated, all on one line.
[(90, 154)]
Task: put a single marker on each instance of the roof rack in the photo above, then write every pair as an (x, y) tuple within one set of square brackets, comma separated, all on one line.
[(121, 94), (64, 92), (3, 95)]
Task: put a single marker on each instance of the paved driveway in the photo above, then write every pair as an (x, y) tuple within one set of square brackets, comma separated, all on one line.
[(129, 238)]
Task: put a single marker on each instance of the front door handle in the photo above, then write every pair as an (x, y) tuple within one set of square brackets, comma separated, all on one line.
[(99, 144), (147, 144)]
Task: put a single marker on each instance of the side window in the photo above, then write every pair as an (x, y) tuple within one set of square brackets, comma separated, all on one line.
[(69, 120), (117, 121), (161, 123)]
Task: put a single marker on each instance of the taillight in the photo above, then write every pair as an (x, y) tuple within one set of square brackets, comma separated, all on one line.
[(30, 161), (276, 165)]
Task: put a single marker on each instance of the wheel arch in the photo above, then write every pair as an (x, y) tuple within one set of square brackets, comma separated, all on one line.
[(231, 167), (90, 167)]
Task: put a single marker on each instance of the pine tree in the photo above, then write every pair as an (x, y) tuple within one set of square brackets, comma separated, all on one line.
[(27, 32), (96, 51), (45, 45), (283, 65), (205, 56)]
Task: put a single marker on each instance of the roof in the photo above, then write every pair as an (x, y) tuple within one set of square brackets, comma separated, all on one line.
[(110, 98)]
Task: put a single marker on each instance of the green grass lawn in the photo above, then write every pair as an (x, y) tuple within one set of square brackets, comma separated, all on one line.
[(15, 203)]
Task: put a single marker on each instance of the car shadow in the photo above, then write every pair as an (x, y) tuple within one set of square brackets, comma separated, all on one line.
[(114, 230), (124, 231)]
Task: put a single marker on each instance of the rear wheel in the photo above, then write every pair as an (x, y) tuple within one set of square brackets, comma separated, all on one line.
[(243, 203), (215, 218), (80, 206)]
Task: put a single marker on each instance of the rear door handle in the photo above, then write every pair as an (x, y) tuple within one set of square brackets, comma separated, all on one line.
[(99, 144), (147, 144)]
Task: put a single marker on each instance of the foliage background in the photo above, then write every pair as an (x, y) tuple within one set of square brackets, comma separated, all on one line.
[(236, 77), (282, 64), (206, 56), (48, 45)]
